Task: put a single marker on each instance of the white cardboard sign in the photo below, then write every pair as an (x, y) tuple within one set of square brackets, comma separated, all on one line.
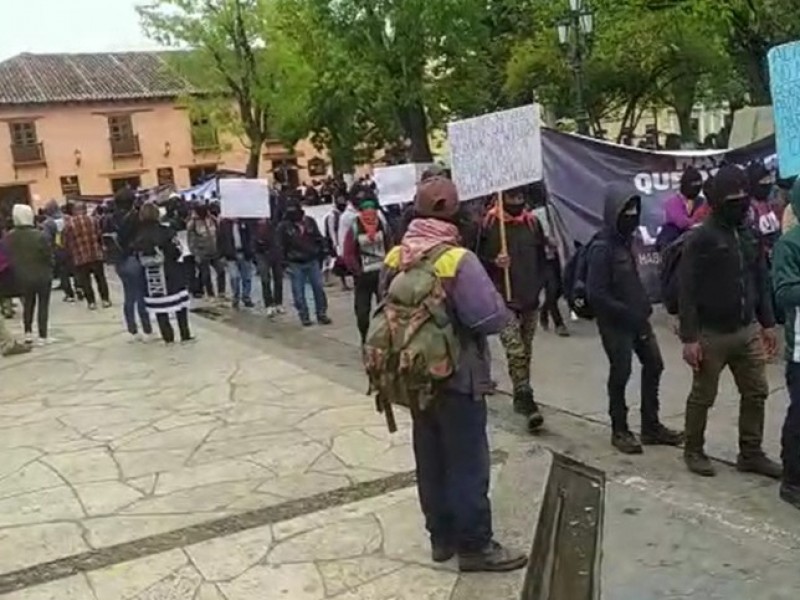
[(496, 152), (244, 198), (398, 184)]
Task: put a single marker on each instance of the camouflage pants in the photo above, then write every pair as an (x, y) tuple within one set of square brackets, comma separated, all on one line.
[(517, 339)]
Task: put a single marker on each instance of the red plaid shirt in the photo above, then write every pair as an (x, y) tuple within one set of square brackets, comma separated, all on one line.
[(82, 239)]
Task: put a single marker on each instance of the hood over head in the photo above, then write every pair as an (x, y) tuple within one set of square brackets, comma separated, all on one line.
[(52, 209), (22, 215), (617, 197)]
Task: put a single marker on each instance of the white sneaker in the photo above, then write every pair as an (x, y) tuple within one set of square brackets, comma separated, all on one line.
[(280, 310), (147, 338), (271, 312), (45, 341), (136, 338), (28, 339)]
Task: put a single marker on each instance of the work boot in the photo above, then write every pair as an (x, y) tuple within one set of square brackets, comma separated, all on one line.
[(523, 402), (661, 436), (442, 552), (562, 331), (697, 462), (790, 493), (494, 558), (759, 464), (626, 442), (535, 420)]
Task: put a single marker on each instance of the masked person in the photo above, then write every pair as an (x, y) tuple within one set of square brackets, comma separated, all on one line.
[(765, 214), (726, 320), (331, 225), (302, 246), (202, 240), (365, 247), (622, 309), (684, 210), (525, 261), (237, 245)]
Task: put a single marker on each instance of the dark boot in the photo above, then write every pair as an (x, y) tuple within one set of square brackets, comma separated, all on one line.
[(697, 462), (661, 436), (791, 494), (494, 558), (562, 331), (626, 442), (442, 552), (695, 430), (523, 402), (759, 464)]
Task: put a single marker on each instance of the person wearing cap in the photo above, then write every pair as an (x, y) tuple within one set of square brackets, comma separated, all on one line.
[(726, 320), (765, 214), (450, 443), (365, 247)]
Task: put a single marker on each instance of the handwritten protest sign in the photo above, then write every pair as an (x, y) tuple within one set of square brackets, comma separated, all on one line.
[(244, 198), (496, 152), (398, 184), (784, 76)]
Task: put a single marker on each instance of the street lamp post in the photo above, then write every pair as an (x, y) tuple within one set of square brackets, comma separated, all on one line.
[(575, 35)]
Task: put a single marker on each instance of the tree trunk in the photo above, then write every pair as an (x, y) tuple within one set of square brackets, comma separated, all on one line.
[(254, 160), (684, 114), (415, 127)]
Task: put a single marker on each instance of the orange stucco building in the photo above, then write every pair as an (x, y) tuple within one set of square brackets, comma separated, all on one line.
[(88, 124)]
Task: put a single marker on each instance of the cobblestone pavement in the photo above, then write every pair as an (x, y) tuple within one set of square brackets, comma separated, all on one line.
[(251, 465)]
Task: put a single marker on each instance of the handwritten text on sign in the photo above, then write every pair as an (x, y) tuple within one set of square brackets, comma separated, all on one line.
[(496, 152), (784, 75)]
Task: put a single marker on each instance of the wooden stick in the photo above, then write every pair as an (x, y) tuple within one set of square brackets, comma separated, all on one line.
[(504, 244)]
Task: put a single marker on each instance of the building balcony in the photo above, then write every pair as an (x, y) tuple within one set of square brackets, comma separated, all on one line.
[(28, 154), (204, 140), (125, 147)]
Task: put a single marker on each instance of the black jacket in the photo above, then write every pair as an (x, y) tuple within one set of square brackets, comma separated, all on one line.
[(151, 237), (300, 242), (226, 243), (616, 293), (723, 281)]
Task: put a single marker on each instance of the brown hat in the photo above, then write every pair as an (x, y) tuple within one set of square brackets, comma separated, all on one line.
[(436, 198)]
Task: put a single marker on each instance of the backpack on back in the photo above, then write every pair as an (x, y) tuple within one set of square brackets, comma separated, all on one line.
[(668, 274), (411, 346), (576, 277)]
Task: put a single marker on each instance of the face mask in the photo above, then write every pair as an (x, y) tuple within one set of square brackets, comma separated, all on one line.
[(514, 210), (762, 191), (202, 212), (341, 206), (692, 192), (734, 211), (627, 224), (294, 215)]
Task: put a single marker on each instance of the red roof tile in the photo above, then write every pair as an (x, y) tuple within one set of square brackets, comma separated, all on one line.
[(54, 78)]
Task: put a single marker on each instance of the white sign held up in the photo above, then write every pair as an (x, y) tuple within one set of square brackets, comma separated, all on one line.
[(398, 184), (496, 152), (244, 198)]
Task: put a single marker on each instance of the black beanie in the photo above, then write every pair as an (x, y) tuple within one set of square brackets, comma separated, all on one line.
[(730, 180), (756, 171)]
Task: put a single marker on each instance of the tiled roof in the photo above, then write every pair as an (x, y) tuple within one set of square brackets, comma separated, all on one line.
[(55, 78)]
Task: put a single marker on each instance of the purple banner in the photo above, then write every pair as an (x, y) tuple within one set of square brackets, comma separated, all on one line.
[(578, 169)]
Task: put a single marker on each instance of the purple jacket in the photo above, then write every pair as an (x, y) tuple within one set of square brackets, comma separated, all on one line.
[(477, 308)]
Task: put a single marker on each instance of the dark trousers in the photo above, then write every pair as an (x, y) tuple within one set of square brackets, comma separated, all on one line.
[(743, 353), (165, 327), (790, 439), (452, 454), (192, 279), (84, 274), (205, 283), (308, 273), (131, 275), (37, 300), (552, 292), (221, 269), (271, 273), (366, 288), (620, 346)]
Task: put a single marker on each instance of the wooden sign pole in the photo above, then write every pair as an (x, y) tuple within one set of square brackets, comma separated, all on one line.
[(504, 244)]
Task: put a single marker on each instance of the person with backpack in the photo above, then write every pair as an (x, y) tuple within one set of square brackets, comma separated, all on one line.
[(440, 303), (53, 228), (119, 232), (726, 320), (622, 309), (157, 247), (365, 247), (526, 262), (301, 247)]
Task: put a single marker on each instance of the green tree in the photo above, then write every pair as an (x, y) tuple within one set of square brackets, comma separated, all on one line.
[(241, 80)]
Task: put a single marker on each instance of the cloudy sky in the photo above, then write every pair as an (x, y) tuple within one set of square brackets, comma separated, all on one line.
[(70, 26)]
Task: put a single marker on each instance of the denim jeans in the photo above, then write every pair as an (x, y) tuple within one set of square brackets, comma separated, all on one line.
[(309, 273), (452, 454), (791, 427), (240, 272), (131, 275)]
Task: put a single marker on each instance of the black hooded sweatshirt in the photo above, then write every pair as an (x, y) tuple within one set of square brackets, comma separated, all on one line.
[(616, 293)]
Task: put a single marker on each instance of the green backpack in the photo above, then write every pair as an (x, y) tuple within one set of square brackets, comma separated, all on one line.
[(411, 346)]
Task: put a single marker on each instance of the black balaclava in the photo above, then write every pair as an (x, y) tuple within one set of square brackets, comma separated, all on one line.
[(629, 217), (691, 183), (294, 212), (756, 186), (729, 198), (514, 203), (201, 210)]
